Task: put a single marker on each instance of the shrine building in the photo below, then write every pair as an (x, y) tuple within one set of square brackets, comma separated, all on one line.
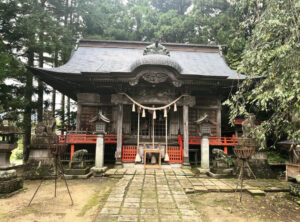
[(152, 95)]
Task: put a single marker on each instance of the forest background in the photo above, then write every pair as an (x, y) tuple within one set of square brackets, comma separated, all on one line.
[(259, 38)]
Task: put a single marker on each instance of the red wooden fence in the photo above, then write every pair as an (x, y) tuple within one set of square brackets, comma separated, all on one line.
[(175, 154), (129, 153)]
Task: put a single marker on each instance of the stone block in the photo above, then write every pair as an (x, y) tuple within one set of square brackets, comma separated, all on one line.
[(98, 172), (168, 218), (191, 219), (107, 218), (85, 176), (200, 189), (149, 218), (11, 185), (129, 211), (128, 218), (257, 192), (203, 170), (7, 175), (189, 190), (38, 169), (110, 172), (77, 165), (111, 211), (77, 171), (212, 188)]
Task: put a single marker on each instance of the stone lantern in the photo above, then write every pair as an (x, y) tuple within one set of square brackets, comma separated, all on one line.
[(204, 125), (8, 143), (101, 125), (9, 182), (101, 122)]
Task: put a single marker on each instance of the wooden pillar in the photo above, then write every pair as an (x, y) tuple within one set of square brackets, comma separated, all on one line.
[(119, 134), (186, 135), (226, 150), (219, 133), (72, 151), (79, 108)]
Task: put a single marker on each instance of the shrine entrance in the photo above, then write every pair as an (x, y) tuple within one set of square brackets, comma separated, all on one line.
[(148, 124)]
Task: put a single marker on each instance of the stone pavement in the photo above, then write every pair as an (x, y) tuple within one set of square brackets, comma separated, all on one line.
[(161, 195), (151, 195)]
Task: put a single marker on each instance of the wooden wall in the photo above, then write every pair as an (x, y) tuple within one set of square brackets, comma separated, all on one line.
[(87, 113), (212, 107), (91, 103)]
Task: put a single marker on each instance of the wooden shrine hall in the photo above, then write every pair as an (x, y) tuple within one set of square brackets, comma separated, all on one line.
[(151, 93)]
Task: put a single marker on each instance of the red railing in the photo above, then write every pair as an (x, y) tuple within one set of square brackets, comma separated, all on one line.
[(215, 141), (129, 153), (175, 154), (86, 139)]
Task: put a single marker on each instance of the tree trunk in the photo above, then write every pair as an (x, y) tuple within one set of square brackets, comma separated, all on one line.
[(53, 101), (40, 101), (28, 108), (54, 90)]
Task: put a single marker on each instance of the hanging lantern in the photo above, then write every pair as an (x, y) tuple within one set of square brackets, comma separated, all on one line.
[(154, 114), (133, 107), (175, 107), (165, 112), (144, 113)]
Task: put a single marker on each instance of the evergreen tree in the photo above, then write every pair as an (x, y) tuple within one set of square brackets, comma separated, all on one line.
[(272, 53)]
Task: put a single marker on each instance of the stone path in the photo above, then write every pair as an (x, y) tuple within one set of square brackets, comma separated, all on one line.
[(151, 195), (192, 184), (161, 195)]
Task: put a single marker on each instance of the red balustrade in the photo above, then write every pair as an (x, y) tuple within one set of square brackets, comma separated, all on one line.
[(214, 141), (86, 139), (175, 154), (129, 153)]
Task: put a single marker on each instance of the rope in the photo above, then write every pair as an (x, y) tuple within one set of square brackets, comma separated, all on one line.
[(153, 108), (138, 131), (166, 134), (153, 133)]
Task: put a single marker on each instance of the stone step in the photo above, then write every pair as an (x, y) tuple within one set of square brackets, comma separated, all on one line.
[(257, 192), (200, 189), (110, 172)]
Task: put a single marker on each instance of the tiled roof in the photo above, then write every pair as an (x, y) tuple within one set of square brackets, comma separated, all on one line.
[(123, 60)]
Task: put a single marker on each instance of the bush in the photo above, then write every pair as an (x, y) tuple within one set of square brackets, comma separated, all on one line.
[(17, 154)]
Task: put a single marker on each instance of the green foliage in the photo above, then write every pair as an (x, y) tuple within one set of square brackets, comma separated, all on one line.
[(163, 6), (261, 38), (272, 52), (277, 157)]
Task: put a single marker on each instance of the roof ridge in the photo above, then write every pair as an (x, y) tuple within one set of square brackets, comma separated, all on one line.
[(148, 43)]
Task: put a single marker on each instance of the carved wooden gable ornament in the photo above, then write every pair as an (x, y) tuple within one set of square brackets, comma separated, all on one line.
[(159, 66)]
